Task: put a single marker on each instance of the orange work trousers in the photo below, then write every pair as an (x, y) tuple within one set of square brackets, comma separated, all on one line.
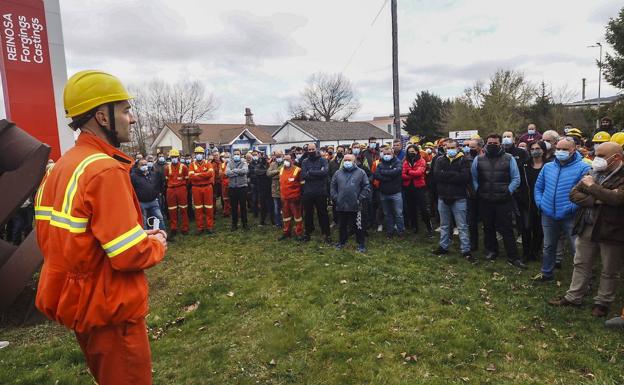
[(226, 199), (202, 199), (291, 210), (118, 354), (177, 200)]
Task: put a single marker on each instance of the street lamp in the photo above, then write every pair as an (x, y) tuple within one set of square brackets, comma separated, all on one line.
[(599, 78)]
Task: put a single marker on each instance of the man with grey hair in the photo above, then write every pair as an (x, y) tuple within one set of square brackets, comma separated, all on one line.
[(550, 138)]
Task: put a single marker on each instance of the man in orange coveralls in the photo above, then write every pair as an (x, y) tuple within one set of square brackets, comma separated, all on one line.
[(202, 175), (89, 230), (290, 192), (176, 175)]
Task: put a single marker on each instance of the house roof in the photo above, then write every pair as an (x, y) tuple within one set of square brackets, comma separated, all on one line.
[(221, 134), (603, 100), (269, 129), (340, 130)]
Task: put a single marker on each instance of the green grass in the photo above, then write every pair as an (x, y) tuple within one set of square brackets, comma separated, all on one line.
[(308, 314)]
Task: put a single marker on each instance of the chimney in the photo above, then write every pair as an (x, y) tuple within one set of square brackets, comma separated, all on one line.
[(249, 117), (584, 89)]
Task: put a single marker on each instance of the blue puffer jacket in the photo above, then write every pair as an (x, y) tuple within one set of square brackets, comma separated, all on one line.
[(553, 186)]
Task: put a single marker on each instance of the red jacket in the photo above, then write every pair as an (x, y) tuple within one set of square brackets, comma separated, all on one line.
[(201, 174), (414, 175), (176, 175), (89, 229), (290, 182)]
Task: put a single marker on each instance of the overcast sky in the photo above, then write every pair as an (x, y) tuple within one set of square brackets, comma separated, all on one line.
[(258, 54)]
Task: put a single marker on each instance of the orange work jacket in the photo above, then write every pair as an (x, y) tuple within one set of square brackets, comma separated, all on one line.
[(89, 229), (201, 174), (290, 182), (176, 175), (224, 178), (376, 182)]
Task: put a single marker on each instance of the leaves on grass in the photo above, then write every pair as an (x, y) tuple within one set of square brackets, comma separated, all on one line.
[(230, 294), (490, 368), (192, 307)]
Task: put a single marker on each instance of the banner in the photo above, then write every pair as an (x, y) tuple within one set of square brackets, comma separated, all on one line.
[(26, 70)]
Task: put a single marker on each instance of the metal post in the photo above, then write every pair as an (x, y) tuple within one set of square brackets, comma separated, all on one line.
[(599, 76), (395, 72), (583, 89)]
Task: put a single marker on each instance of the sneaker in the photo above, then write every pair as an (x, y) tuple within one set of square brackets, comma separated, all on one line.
[(437, 230), (339, 246), (439, 251), (361, 249), (379, 228), (332, 225), (540, 278), (490, 256), (455, 231), (469, 257), (562, 301), (517, 263), (305, 238), (519, 240), (599, 310), (284, 237), (429, 234), (615, 323), (4, 344)]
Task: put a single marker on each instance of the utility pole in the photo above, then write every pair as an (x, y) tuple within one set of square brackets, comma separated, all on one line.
[(599, 81), (395, 72), (584, 89)]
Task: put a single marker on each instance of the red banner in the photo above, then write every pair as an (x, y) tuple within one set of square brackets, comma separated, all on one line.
[(26, 71)]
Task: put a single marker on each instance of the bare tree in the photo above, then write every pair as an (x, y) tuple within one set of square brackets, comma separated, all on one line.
[(327, 97)]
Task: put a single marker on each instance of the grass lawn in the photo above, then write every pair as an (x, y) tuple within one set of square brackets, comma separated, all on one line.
[(243, 308)]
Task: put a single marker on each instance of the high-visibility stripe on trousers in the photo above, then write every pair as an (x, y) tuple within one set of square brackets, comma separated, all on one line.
[(177, 200), (118, 354), (203, 200), (291, 210), (226, 199)]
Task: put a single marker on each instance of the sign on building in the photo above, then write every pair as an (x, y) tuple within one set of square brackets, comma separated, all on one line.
[(463, 135)]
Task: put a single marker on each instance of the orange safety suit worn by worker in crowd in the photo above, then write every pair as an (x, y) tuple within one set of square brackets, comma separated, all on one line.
[(225, 190), (376, 182), (216, 188), (89, 229), (177, 198), (290, 193), (202, 176)]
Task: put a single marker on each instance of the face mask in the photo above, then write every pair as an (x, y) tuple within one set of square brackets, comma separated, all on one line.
[(531, 132), (226, 160), (174, 160), (562, 155), (236, 158), (339, 155), (428, 151), (143, 168), (356, 151), (348, 164), (330, 154), (298, 156), (599, 164), (150, 164), (161, 159), (536, 153), (372, 145), (507, 141), (466, 150), (492, 149), (188, 161), (548, 146), (474, 153), (441, 150), (286, 163), (311, 154), (255, 157), (451, 153), (279, 160), (387, 157), (199, 157)]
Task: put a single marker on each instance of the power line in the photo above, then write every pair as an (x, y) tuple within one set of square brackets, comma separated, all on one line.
[(365, 35)]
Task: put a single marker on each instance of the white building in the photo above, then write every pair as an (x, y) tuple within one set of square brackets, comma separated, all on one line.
[(299, 132)]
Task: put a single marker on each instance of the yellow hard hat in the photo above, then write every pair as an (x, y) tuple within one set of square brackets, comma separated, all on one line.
[(89, 89), (618, 138), (174, 152), (429, 144), (601, 137), (475, 137), (575, 132), (199, 150)]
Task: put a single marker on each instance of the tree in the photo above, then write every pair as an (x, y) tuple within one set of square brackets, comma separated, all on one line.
[(426, 115), (327, 97), (156, 103), (614, 65)]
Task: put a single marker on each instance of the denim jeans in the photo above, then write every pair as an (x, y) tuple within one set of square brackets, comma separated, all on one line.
[(392, 205), (277, 212), (459, 211), (552, 229), (152, 209)]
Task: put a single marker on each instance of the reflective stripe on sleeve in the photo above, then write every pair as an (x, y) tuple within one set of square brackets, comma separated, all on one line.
[(61, 220), (124, 241), (72, 186)]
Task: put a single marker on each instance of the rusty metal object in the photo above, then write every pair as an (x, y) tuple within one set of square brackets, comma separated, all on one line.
[(22, 165)]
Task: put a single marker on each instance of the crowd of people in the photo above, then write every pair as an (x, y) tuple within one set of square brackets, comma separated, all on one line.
[(553, 193)]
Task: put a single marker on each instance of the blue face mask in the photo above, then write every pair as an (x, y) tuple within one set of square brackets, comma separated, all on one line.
[(466, 149), (199, 157), (507, 141), (451, 152), (387, 157), (356, 151), (150, 164), (236, 158), (161, 159), (143, 168), (174, 160), (347, 164), (562, 155)]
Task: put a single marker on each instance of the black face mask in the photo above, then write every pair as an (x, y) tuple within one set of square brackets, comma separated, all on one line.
[(441, 150), (339, 155), (492, 149), (474, 153), (311, 155)]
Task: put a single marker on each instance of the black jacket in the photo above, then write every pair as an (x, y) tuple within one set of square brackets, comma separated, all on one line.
[(522, 160), (147, 187), (389, 176), (315, 172), (452, 178)]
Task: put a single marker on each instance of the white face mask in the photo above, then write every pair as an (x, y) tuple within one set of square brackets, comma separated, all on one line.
[(548, 146), (600, 164), (286, 163)]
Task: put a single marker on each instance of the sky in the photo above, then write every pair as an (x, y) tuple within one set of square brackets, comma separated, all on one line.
[(259, 54)]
